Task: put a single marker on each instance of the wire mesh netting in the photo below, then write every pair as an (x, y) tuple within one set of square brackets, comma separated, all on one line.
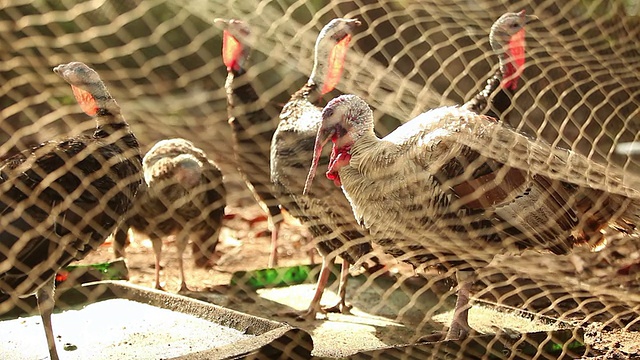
[(532, 215)]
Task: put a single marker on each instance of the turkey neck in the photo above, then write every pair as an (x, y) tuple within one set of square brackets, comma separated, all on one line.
[(245, 108), (113, 129), (109, 119), (376, 153), (480, 102), (319, 71), (312, 91), (309, 92), (239, 87), (301, 115), (115, 125), (108, 111)]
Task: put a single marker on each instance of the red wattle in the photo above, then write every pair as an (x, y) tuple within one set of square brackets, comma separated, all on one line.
[(231, 50), (334, 176), (339, 157), (85, 99), (336, 65), (516, 65)]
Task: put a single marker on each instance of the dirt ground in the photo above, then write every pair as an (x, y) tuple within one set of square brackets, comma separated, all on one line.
[(244, 245)]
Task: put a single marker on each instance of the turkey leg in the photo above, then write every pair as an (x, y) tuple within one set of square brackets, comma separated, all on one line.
[(181, 243), (341, 306), (157, 249), (273, 256), (314, 306), (459, 328), (45, 300)]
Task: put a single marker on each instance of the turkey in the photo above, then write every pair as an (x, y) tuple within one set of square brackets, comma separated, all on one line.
[(445, 182), (183, 195), (507, 41), (326, 212), (252, 127), (63, 198)]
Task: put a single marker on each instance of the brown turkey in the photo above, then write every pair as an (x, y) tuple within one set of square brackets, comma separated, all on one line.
[(252, 127), (326, 212), (507, 41), (446, 181), (183, 195), (63, 198)]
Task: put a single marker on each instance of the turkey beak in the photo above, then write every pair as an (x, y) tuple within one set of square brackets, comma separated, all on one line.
[(221, 23), (527, 18), (322, 138)]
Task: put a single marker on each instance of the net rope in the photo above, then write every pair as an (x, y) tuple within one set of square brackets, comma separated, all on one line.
[(161, 61)]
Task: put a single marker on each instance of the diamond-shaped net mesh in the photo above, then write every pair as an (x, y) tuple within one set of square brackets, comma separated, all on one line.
[(541, 204)]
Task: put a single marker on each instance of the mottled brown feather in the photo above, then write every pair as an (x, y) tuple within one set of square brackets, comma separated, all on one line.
[(63, 198)]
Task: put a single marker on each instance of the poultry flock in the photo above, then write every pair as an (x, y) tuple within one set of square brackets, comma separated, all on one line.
[(438, 192), (328, 216), (444, 182)]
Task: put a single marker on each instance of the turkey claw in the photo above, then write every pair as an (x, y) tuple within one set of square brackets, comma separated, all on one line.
[(305, 315), (436, 336), (340, 307)]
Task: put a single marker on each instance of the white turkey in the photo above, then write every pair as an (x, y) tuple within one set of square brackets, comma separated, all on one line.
[(464, 188), (326, 212)]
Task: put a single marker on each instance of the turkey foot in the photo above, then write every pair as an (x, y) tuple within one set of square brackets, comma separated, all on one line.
[(303, 315), (310, 314), (183, 282), (314, 306), (341, 306), (438, 336), (460, 328), (184, 288)]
